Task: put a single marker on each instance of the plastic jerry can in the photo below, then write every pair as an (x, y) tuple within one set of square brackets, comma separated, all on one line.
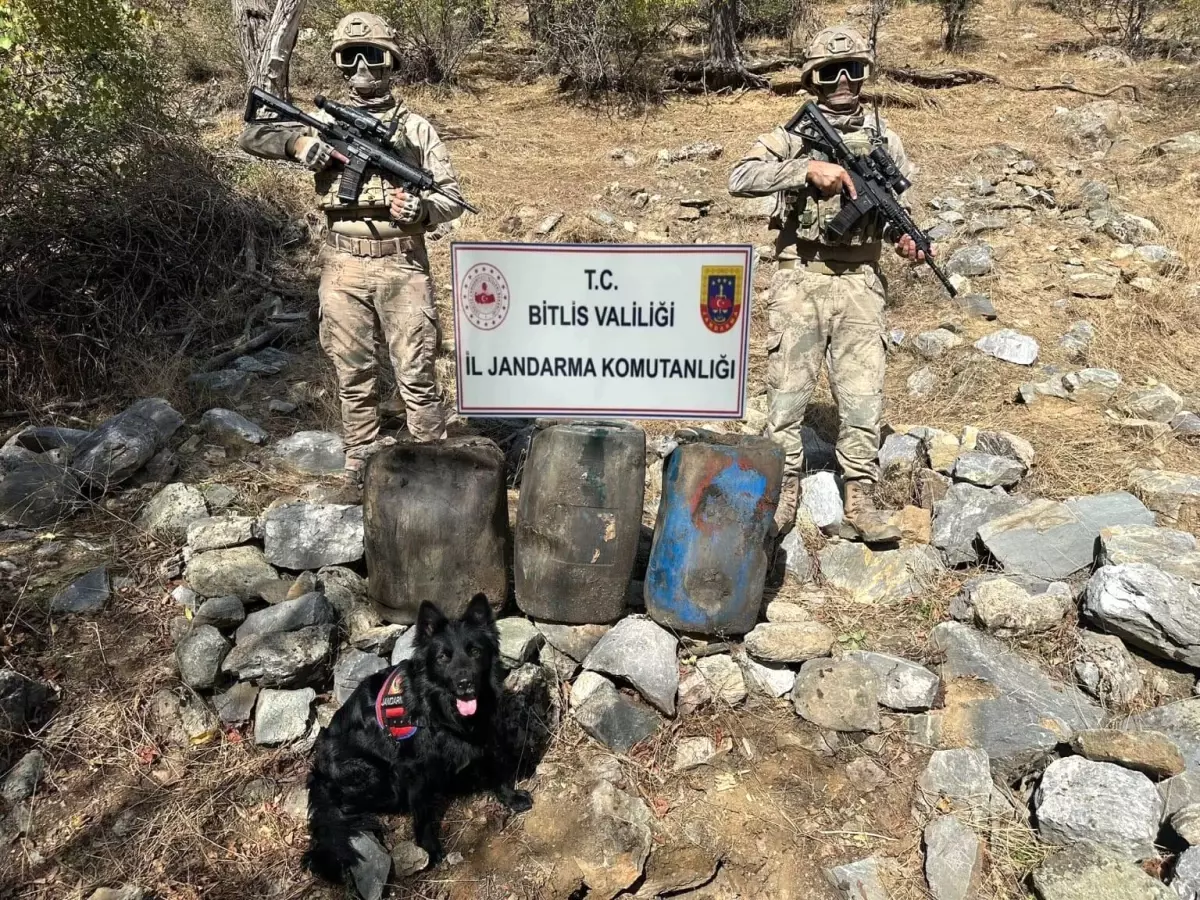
[(436, 526), (708, 563), (578, 520)]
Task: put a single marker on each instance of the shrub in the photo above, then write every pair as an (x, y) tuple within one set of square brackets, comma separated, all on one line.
[(957, 16), (1127, 22)]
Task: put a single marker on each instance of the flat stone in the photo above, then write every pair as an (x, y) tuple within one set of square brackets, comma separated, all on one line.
[(610, 717), (779, 611), (22, 780), (548, 224), (311, 453), (1149, 608), (1086, 872), (1091, 385), (677, 869), (941, 448), (1174, 496), (997, 700), (1031, 392), (291, 659), (172, 510), (124, 443), (930, 487), (602, 218), (691, 753), (879, 576), (1174, 552), (1009, 446), (640, 652), (978, 305), (352, 668), (290, 615), (767, 679), (1180, 721), (84, 595), (841, 694), (219, 532), (236, 705), (227, 385), (125, 892), (959, 515), (1126, 228), (953, 859), (180, 717), (1093, 285), (903, 685), (1009, 346), (1106, 670), (1180, 791), (282, 716), (1144, 751), (1052, 540), (1185, 881), (372, 866), (408, 859), (232, 429), (724, 678), (405, 647), (1009, 608), (1186, 823), (987, 470), (221, 573), (576, 641), (971, 261), (955, 781), (921, 383), (1080, 800), (620, 837), (1186, 425), (36, 492), (1078, 339), (200, 655), (859, 880), (935, 344), (312, 535), (520, 641), (796, 558), (24, 702), (916, 525), (900, 455), (218, 496), (822, 499), (789, 642), (1158, 404)]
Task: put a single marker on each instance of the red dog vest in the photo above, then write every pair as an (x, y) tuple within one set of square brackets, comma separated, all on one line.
[(391, 711)]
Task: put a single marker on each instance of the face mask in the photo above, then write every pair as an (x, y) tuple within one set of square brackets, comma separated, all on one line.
[(839, 97), (370, 82)]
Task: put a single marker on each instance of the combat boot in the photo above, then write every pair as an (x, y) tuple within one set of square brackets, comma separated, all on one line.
[(873, 525), (789, 499)]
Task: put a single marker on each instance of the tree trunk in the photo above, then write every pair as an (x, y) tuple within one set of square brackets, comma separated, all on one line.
[(266, 37), (724, 66)]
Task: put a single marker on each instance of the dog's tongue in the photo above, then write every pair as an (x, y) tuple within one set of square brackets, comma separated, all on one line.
[(467, 707)]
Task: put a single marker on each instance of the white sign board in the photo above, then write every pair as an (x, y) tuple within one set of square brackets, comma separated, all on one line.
[(583, 330)]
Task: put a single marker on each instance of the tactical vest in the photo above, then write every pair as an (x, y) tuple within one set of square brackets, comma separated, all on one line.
[(377, 186)]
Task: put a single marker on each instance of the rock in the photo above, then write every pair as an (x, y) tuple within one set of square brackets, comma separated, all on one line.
[(691, 753), (953, 859), (1147, 607), (123, 444), (790, 642), (841, 694), (724, 678), (1186, 879), (548, 224), (796, 558), (218, 496), (1094, 126), (1009, 446), (1092, 385), (372, 866), (173, 509), (865, 775), (1112, 55), (903, 685), (283, 660), (232, 429), (1126, 228), (311, 453), (822, 498), (640, 652), (871, 576), (1030, 392), (226, 385), (84, 595), (1144, 751), (200, 655), (1080, 800), (408, 859), (610, 717), (1078, 339), (971, 261), (1174, 496), (900, 455), (36, 492), (352, 668), (1186, 425), (602, 218), (312, 535), (125, 892), (520, 641), (1186, 823), (935, 344), (858, 880), (620, 837), (181, 718), (702, 150), (916, 525), (930, 487), (1157, 404), (1106, 670), (941, 448), (47, 438), (921, 383), (1010, 346), (768, 679), (1158, 259), (1186, 144), (236, 705), (1092, 284), (1086, 872), (955, 781), (405, 647), (978, 305), (236, 571), (1174, 552), (282, 407), (22, 780), (999, 701), (673, 870), (219, 532), (23, 701), (576, 641), (282, 716), (1052, 540), (290, 615), (987, 470), (1009, 608), (1180, 721)]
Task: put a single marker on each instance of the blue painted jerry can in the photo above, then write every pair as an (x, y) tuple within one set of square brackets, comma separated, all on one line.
[(709, 562)]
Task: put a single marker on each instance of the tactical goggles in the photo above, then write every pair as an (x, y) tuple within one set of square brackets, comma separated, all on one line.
[(855, 70), (348, 57)]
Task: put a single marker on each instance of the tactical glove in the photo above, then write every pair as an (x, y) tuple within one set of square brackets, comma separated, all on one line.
[(312, 153)]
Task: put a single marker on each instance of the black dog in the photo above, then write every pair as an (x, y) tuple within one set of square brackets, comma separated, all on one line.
[(433, 731)]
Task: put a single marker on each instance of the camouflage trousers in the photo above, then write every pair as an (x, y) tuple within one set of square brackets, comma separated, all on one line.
[(392, 295), (816, 316)]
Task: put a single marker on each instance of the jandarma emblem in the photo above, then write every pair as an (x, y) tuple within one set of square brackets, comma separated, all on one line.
[(484, 296), (720, 297)]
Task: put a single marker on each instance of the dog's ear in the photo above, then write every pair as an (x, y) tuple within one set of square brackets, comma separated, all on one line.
[(429, 621), (479, 611)]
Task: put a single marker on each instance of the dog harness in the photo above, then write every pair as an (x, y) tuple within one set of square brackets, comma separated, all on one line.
[(391, 711)]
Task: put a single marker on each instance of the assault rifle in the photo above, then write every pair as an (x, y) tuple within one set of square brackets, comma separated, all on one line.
[(359, 140), (877, 181)]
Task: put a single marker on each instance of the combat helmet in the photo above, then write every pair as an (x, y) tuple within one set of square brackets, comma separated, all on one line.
[(360, 28), (840, 43)]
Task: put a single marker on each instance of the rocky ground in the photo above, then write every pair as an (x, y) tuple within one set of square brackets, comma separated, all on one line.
[(1002, 704)]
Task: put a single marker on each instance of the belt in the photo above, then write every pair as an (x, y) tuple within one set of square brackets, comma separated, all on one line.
[(365, 247), (823, 266)]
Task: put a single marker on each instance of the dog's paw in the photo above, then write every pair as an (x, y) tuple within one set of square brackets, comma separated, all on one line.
[(519, 801)]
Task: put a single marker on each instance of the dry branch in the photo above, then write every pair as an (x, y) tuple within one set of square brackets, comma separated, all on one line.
[(952, 78), (243, 347)]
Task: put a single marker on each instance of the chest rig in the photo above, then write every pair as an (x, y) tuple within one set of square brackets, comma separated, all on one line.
[(392, 706)]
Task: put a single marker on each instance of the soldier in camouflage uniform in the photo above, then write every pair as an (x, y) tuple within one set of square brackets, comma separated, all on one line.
[(375, 269), (827, 299)]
